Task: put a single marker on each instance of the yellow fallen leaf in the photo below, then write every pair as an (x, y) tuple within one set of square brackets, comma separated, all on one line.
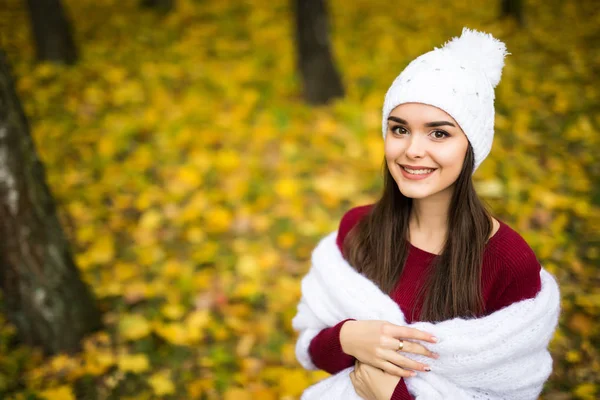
[(173, 311), (150, 220), (133, 327), (218, 219), (61, 362), (247, 289), (59, 393), (287, 188), (581, 323), (573, 356), (264, 394), (491, 188), (107, 146), (188, 177), (135, 363), (161, 383), (586, 391), (237, 394), (195, 234), (286, 240), (245, 344), (197, 320), (102, 251), (288, 354), (269, 259), (97, 362), (227, 160), (247, 266), (251, 367), (173, 333), (261, 223), (293, 382)]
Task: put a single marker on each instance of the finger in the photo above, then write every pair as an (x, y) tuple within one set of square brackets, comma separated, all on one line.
[(389, 342), (360, 392), (404, 332), (409, 347), (357, 371), (356, 365), (405, 362), (396, 370), (354, 379)]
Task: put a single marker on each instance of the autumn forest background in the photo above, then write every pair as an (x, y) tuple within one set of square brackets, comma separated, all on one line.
[(193, 168)]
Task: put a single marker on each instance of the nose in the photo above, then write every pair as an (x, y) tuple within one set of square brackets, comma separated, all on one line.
[(416, 147)]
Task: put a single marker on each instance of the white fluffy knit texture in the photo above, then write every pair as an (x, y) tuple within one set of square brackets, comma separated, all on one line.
[(503, 355), (458, 78)]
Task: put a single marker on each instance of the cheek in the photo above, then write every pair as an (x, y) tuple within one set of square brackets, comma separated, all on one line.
[(392, 148), (452, 159)]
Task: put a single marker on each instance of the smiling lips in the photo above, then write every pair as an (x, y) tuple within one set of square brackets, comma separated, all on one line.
[(416, 172)]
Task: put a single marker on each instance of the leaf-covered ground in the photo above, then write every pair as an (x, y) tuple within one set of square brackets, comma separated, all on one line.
[(193, 182)]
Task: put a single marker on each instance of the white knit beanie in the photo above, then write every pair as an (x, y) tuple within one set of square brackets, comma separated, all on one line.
[(458, 78)]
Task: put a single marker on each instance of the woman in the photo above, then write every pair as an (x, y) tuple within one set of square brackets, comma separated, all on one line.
[(432, 247)]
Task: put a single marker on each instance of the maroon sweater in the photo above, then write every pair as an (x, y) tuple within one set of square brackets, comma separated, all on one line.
[(510, 272)]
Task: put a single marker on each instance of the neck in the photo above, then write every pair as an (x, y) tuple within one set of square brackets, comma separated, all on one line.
[(429, 218)]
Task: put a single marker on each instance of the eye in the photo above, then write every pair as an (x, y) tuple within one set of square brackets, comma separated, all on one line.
[(398, 130), (440, 134)]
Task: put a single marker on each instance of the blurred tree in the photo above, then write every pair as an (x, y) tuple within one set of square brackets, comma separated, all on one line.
[(51, 32), (321, 79), (161, 5), (512, 8), (43, 293)]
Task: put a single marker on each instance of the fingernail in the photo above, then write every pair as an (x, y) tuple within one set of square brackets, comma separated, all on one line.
[(427, 369), (413, 374), (434, 339), (436, 355)]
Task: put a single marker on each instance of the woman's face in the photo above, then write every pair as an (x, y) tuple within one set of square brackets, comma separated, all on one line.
[(428, 142)]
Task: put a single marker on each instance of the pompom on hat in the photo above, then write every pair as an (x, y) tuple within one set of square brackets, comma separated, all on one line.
[(458, 78)]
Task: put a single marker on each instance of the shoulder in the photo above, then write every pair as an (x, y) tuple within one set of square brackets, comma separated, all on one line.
[(516, 268), (349, 220), (513, 250)]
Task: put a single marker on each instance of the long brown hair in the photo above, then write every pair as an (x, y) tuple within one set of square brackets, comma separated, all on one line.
[(377, 247)]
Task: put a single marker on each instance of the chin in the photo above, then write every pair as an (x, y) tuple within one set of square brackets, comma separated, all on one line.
[(414, 194), (417, 191)]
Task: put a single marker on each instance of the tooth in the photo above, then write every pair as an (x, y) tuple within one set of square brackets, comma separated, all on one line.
[(419, 171)]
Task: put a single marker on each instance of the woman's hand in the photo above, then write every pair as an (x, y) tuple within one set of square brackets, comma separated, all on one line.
[(376, 343), (371, 383)]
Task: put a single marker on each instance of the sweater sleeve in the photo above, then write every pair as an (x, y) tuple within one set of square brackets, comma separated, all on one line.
[(326, 353), (326, 350), (401, 392)]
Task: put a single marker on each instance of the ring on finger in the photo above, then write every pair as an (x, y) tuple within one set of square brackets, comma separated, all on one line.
[(401, 345)]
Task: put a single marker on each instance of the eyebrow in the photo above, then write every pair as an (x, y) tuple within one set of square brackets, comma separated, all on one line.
[(428, 125)]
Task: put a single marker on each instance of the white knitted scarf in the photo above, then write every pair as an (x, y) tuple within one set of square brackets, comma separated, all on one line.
[(503, 355)]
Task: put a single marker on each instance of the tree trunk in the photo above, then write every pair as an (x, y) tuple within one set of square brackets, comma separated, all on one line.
[(51, 32), (160, 5), (512, 8), (44, 295), (321, 79)]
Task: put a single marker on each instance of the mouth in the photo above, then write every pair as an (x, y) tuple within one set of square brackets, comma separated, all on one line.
[(416, 174)]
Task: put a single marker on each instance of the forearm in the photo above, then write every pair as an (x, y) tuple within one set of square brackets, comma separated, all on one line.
[(326, 350)]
